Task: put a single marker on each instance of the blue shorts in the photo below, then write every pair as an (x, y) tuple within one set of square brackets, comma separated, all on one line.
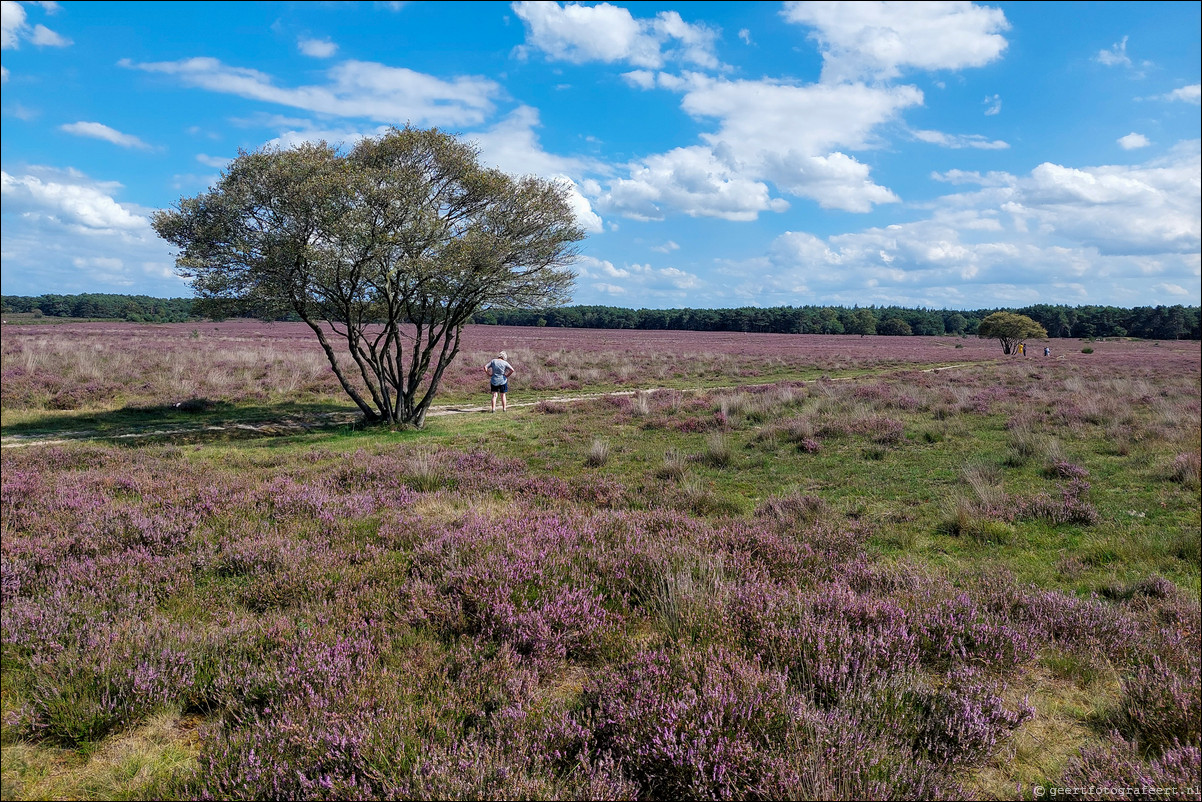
[(499, 388)]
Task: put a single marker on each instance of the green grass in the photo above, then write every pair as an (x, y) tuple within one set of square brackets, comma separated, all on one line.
[(1147, 523)]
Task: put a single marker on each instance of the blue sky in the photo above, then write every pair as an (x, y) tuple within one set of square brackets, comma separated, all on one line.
[(944, 155)]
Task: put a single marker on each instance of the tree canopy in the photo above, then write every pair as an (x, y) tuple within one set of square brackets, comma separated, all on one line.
[(1010, 329), (385, 251), (1085, 322)]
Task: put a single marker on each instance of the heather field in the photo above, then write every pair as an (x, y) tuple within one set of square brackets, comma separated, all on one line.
[(745, 566)]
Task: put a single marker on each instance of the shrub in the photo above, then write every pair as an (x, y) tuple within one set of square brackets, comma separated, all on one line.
[(793, 509), (1115, 770), (1070, 507), (1087, 350), (1160, 703), (961, 721), (690, 726), (1062, 469), (1187, 469)]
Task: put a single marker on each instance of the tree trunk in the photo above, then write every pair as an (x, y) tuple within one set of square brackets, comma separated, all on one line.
[(368, 413)]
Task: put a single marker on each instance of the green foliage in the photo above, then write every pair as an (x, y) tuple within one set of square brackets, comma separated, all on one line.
[(392, 247), (860, 322), (894, 327), (1010, 329), (1104, 321), (133, 308)]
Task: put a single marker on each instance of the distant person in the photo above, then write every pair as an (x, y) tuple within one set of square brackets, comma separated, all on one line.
[(1047, 351), (499, 370), (1022, 349)]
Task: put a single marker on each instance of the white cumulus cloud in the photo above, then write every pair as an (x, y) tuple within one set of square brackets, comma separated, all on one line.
[(691, 180), (879, 39), (101, 131), (358, 89), (757, 144), (1187, 94), (44, 37), (70, 198), (12, 24), (1095, 234), (14, 27), (609, 34), (1132, 141), (75, 236)]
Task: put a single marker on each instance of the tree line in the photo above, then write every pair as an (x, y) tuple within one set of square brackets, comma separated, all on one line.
[(1145, 322), (103, 306)]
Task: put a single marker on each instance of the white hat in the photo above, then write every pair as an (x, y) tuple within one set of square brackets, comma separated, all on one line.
[(502, 355)]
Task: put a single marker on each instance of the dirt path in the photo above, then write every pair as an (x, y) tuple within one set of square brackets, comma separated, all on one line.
[(326, 420)]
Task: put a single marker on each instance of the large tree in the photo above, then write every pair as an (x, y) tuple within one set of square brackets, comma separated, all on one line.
[(385, 252), (861, 322), (1010, 329)]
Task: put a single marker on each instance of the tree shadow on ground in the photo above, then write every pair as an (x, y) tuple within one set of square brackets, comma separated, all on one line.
[(196, 417)]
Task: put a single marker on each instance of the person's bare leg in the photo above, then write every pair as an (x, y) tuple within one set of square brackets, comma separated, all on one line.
[(504, 406), (494, 402)]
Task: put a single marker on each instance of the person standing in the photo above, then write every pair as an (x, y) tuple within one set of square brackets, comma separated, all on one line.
[(499, 370)]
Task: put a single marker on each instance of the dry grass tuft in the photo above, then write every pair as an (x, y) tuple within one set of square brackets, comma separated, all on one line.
[(718, 450), (673, 466), (598, 453)]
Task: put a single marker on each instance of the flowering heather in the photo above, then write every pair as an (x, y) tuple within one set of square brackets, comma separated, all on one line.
[(98, 365), (1062, 469), (964, 718), (342, 644), (1070, 506), (711, 724), (107, 365), (1115, 770), (392, 615), (1161, 702)]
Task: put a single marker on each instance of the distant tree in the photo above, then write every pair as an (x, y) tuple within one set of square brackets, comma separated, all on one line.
[(860, 322), (955, 323), (924, 323), (390, 248), (1010, 329), (894, 327), (828, 322)]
